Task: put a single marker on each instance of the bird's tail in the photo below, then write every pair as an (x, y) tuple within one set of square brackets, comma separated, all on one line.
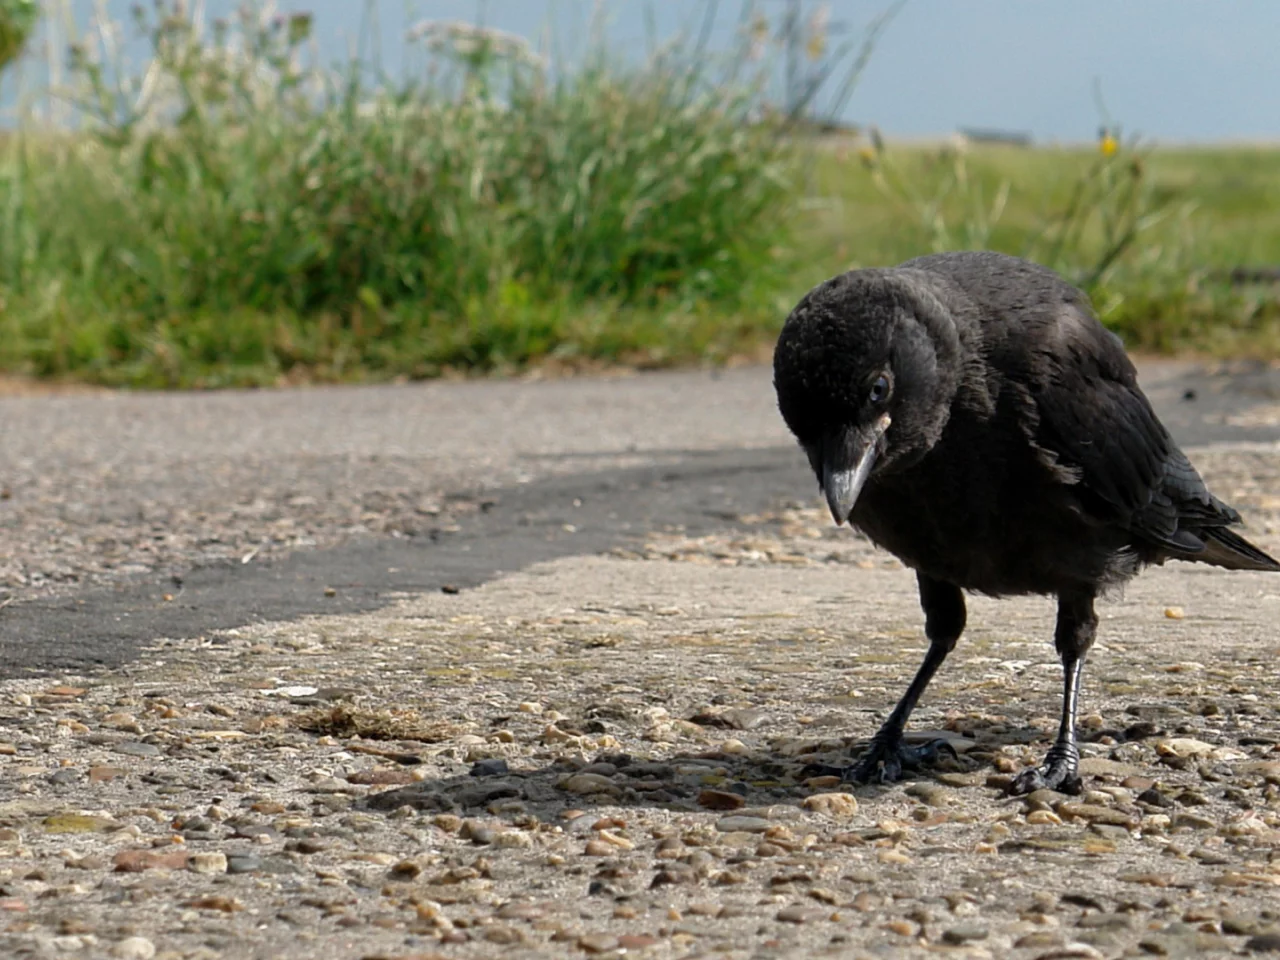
[(1223, 548)]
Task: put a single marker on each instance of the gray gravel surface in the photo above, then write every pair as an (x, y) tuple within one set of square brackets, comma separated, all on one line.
[(317, 750)]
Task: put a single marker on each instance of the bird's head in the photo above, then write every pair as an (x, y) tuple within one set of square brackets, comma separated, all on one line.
[(865, 369)]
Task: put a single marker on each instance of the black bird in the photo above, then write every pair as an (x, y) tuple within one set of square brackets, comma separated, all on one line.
[(969, 413)]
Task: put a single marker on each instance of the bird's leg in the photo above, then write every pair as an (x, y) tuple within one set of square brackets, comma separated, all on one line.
[(888, 753), (1074, 635)]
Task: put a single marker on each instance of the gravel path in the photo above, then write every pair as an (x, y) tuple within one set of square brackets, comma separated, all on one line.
[(605, 754)]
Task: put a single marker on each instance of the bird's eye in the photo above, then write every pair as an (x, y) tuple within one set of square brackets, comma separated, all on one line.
[(879, 390)]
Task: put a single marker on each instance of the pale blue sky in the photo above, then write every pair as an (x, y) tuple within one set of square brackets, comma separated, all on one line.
[(1171, 69)]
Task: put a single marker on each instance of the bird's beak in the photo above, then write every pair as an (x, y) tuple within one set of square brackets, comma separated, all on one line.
[(844, 475)]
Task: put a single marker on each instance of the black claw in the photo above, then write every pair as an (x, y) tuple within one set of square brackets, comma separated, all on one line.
[(1058, 772), (884, 761)]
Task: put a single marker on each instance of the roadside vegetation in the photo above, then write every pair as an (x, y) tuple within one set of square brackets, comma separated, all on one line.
[(229, 212)]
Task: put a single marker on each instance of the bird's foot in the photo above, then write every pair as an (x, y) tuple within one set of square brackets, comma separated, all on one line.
[(886, 759), (1060, 771)]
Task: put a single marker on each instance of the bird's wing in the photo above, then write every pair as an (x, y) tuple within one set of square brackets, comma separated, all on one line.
[(1098, 428)]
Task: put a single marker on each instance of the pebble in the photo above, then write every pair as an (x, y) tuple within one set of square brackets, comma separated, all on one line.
[(1093, 813), (1264, 943), (743, 824), (799, 914), (1073, 951), (932, 794), (494, 767), (243, 863), (136, 861), (598, 942), (134, 948), (840, 805), (1269, 770), (136, 748), (1193, 821), (588, 783), (209, 862), (1184, 747), (479, 833), (721, 800), (964, 933), (1044, 818)]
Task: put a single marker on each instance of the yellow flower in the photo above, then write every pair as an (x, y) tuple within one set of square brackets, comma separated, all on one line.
[(1108, 145)]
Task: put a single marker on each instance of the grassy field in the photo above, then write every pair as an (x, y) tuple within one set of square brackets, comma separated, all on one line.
[(253, 219), (1212, 210)]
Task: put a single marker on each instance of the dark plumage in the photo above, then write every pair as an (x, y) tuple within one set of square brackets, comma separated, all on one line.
[(970, 414)]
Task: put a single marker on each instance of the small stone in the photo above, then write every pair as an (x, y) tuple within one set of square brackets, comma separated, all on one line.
[(1184, 747), (478, 832), (504, 936), (838, 805), (721, 800), (1044, 799), (78, 823), (584, 784), (136, 748), (1042, 818), (743, 824), (964, 933), (1039, 938), (1105, 921), (1093, 813), (519, 910), (1193, 821), (799, 914), (219, 903), (931, 794), (598, 848), (380, 777), (494, 767), (136, 861), (213, 862), (243, 863), (1174, 613), (636, 941), (448, 822), (598, 942), (1239, 925), (1264, 943), (134, 948), (617, 840), (1073, 951), (1269, 770), (1111, 831)]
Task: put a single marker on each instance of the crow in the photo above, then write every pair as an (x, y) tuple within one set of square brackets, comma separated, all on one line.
[(970, 414)]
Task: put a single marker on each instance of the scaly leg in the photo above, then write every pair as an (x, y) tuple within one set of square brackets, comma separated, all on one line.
[(1077, 627), (887, 755)]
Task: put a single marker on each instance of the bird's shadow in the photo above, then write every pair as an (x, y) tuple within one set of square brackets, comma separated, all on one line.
[(728, 783)]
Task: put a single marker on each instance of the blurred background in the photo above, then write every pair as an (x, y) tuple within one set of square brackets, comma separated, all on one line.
[(224, 193)]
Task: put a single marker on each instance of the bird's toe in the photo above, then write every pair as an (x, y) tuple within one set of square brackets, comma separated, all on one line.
[(1056, 773), (884, 762)]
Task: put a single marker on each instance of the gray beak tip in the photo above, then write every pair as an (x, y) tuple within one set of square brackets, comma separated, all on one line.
[(842, 485)]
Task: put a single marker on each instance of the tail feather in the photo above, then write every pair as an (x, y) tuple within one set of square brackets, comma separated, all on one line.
[(1224, 548)]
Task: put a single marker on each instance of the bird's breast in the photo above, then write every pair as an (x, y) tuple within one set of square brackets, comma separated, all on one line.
[(988, 520)]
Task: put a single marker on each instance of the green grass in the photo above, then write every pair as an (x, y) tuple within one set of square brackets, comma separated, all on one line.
[(1215, 209), (264, 221)]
